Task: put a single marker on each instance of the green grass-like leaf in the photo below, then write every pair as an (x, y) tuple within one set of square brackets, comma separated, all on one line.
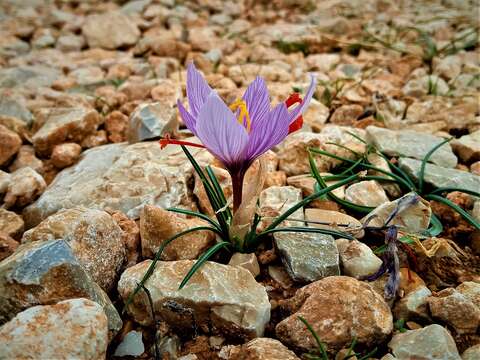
[(218, 190), (451, 189), (196, 214), (158, 254), (455, 207), (421, 173), (303, 229), (436, 226), (308, 200), (320, 345), (202, 259)]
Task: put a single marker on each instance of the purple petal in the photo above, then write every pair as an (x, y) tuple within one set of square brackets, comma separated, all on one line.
[(306, 100), (268, 131), (257, 99), (187, 118), (197, 89), (220, 132)]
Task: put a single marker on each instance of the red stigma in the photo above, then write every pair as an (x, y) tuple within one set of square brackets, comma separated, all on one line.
[(297, 124), (167, 141)]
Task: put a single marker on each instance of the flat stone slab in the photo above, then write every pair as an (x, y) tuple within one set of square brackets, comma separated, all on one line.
[(411, 144), (440, 176), (121, 177)]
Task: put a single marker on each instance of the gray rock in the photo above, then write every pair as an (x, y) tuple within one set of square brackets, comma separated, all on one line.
[(218, 298), (441, 177), (71, 329), (93, 235), (30, 76), (45, 272), (150, 121), (122, 177), (131, 345), (468, 147), (308, 256), (432, 342), (411, 144), (259, 349), (15, 106)]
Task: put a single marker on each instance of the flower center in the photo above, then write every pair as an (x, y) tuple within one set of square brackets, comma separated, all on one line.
[(243, 115)]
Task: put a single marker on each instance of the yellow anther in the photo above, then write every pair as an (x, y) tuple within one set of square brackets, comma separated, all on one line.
[(243, 115)]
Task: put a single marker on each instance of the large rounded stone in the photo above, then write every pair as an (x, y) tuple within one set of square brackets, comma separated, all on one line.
[(218, 298), (93, 235), (71, 329), (339, 309)]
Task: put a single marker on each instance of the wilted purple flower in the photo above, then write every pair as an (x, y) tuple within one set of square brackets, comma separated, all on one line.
[(238, 134), (390, 264)]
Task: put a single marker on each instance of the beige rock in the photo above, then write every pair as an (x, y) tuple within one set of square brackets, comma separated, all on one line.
[(7, 246), (276, 200), (430, 342), (130, 238), (414, 218), (366, 193), (65, 124), (413, 305), (5, 179), (71, 329), (378, 161), (261, 349), (275, 178), (90, 75), (26, 157), (95, 239), (11, 224), (158, 225), (66, 154), (307, 184), (96, 139), (116, 125), (474, 168), (338, 308), (334, 220), (25, 186), (219, 298), (472, 353), (247, 261), (357, 259), (468, 147), (110, 30), (346, 114), (316, 115), (454, 308), (293, 155), (471, 290), (10, 143)]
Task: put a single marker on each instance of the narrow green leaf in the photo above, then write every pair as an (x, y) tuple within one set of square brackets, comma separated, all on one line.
[(436, 226), (451, 189), (335, 233), (421, 174), (455, 207), (218, 190), (202, 259), (211, 194), (158, 254), (196, 214), (323, 185), (321, 347), (356, 137), (345, 148), (402, 173), (308, 200)]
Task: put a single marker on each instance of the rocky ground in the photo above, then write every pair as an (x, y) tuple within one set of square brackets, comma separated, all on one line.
[(88, 87)]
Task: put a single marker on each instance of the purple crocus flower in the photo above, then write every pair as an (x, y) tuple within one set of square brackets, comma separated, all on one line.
[(237, 134)]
